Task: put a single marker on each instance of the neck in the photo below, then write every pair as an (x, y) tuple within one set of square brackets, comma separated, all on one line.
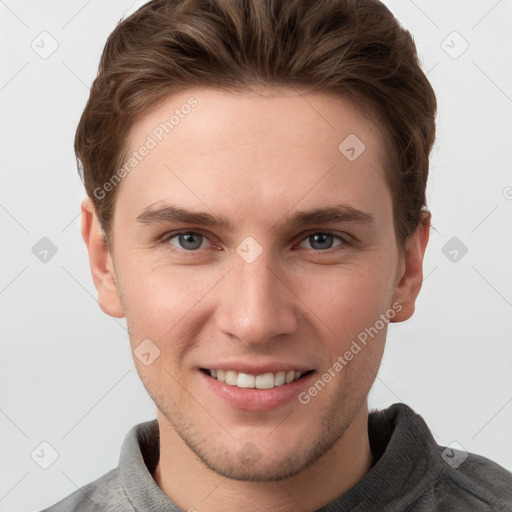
[(193, 486)]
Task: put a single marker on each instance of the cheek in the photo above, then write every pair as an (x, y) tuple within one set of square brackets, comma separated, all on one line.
[(347, 305), (161, 302), (166, 307), (348, 297)]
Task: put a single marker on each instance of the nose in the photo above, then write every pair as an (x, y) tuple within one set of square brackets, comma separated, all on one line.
[(256, 304)]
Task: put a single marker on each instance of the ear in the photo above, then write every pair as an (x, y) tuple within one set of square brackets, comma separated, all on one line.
[(100, 261), (410, 273)]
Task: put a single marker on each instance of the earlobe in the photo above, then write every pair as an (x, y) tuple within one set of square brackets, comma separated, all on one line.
[(100, 261), (410, 277)]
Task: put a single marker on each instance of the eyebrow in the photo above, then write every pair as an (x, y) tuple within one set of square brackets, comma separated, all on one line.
[(323, 215)]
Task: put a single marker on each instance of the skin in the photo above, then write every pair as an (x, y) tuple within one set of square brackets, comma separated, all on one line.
[(256, 158)]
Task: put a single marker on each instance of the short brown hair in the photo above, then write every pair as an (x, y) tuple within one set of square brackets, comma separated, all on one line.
[(355, 48)]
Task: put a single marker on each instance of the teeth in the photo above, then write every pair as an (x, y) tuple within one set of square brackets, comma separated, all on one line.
[(280, 378), (246, 381), (264, 381), (231, 378)]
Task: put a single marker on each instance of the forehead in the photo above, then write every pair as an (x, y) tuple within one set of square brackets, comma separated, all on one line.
[(269, 144), (216, 117)]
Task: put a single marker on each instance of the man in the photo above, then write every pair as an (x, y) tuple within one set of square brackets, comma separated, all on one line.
[(256, 176)]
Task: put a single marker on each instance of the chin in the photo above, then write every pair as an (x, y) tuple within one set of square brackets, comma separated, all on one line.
[(248, 465)]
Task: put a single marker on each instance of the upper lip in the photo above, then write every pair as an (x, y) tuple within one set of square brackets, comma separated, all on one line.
[(256, 369)]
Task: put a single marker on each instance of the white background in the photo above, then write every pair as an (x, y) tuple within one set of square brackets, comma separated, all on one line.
[(67, 375)]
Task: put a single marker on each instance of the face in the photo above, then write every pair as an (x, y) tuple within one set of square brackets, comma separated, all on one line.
[(248, 247)]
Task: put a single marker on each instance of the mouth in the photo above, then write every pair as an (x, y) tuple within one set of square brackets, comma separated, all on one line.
[(262, 381), (254, 386)]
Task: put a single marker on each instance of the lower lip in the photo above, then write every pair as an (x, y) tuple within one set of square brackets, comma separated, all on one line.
[(249, 399)]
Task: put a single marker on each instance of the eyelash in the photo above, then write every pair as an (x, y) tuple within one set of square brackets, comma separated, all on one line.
[(345, 241)]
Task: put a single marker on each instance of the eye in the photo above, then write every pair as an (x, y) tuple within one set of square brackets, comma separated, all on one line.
[(188, 240), (321, 241)]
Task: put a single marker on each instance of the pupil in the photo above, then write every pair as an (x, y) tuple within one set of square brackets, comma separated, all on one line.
[(321, 241)]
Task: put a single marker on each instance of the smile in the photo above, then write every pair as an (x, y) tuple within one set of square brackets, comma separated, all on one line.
[(262, 381)]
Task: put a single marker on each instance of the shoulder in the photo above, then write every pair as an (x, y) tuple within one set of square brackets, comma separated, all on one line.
[(105, 494), (117, 490), (477, 483), (414, 473)]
